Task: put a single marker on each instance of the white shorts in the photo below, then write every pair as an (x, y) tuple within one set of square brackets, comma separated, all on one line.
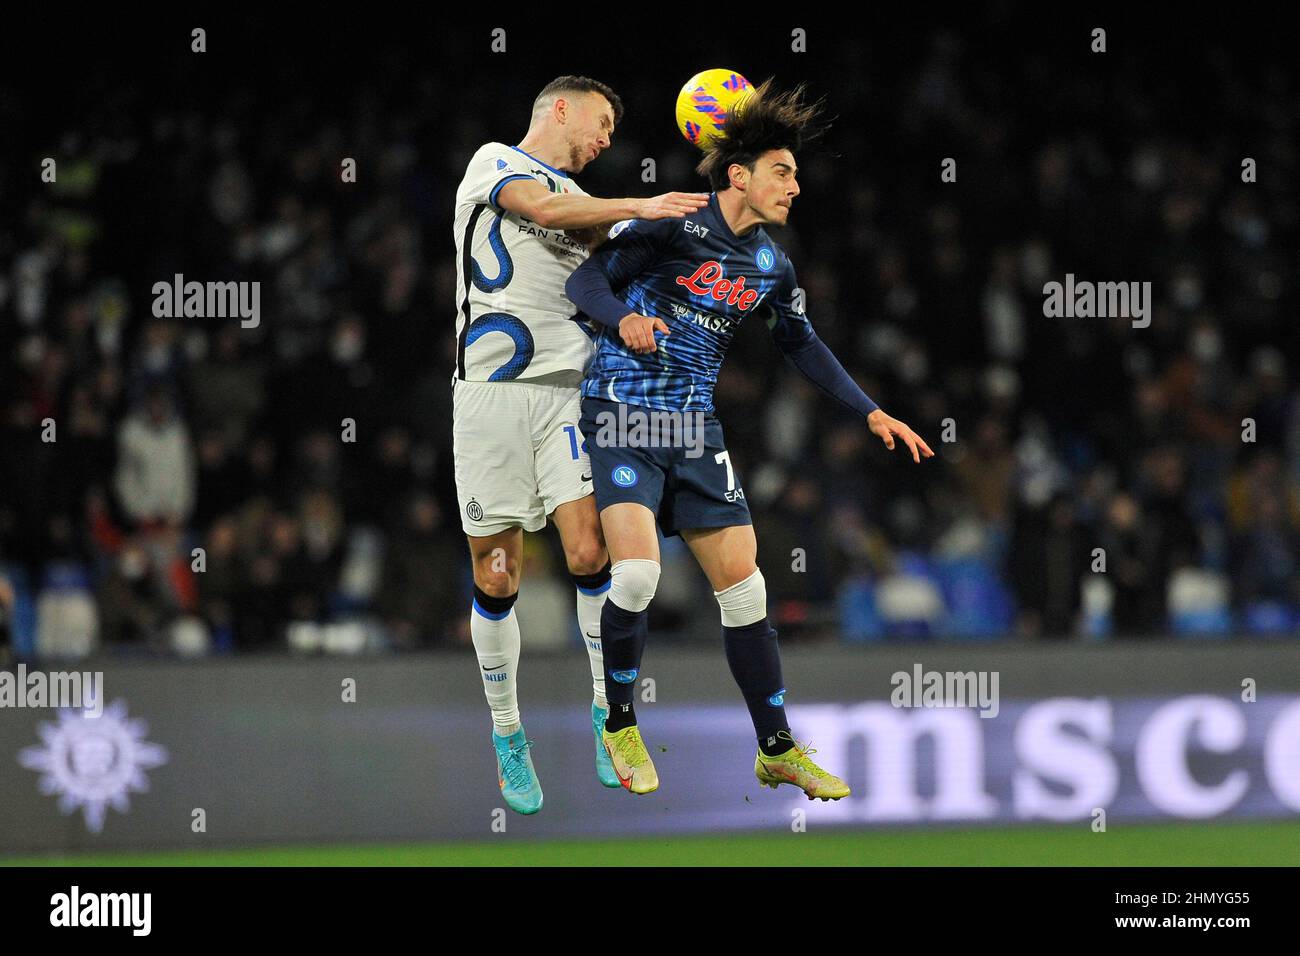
[(519, 453)]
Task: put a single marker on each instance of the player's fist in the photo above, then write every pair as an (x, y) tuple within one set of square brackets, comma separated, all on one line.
[(671, 205), (638, 332), (887, 427)]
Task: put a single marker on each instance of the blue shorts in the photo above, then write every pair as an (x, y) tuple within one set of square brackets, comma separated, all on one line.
[(680, 471)]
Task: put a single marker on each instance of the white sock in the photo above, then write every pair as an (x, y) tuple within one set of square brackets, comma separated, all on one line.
[(497, 646), (589, 606)]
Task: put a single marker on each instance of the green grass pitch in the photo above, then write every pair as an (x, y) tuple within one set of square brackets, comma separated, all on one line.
[(1182, 844)]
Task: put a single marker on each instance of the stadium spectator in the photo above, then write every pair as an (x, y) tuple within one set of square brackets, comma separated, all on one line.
[(154, 480)]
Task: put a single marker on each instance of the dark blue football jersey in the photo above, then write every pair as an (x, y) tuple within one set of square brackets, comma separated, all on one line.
[(702, 281)]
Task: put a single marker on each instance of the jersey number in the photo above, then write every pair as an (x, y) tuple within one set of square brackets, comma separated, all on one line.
[(572, 432), (723, 458)]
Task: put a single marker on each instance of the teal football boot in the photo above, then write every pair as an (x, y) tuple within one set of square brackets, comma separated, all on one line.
[(515, 773), (604, 768)]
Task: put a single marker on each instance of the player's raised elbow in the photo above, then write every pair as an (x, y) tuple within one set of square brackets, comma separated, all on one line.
[(532, 201), (545, 215)]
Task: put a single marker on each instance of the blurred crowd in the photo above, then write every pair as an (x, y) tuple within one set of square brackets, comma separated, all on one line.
[(191, 485)]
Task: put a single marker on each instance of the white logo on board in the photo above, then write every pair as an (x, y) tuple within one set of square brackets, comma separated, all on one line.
[(92, 764)]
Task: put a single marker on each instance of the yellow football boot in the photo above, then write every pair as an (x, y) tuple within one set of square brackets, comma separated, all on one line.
[(632, 764), (795, 766)]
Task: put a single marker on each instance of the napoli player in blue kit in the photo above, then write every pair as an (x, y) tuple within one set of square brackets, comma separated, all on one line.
[(667, 298)]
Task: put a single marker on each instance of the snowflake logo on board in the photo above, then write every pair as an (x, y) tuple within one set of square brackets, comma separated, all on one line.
[(92, 763)]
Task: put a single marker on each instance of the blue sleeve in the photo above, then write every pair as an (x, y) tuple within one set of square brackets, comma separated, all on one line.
[(496, 190), (634, 246), (820, 366), (588, 288), (794, 336)]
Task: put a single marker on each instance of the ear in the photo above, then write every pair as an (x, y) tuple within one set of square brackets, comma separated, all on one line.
[(738, 175), (561, 110)]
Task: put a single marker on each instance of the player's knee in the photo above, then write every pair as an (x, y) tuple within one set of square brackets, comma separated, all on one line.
[(497, 585), (633, 583), (587, 557), (497, 573), (744, 603)]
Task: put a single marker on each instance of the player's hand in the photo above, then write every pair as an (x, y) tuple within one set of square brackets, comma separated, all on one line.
[(671, 205), (589, 237), (638, 332), (887, 427)]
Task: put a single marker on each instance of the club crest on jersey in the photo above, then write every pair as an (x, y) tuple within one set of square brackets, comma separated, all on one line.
[(708, 280), (624, 476), (765, 259)]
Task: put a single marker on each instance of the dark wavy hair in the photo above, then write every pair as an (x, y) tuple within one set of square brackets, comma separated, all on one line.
[(765, 120), (580, 84)]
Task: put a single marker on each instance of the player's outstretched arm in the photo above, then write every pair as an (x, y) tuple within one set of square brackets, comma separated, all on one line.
[(794, 336), (533, 201), (820, 366)]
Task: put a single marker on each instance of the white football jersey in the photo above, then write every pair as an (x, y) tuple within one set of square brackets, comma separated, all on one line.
[(513, 319)]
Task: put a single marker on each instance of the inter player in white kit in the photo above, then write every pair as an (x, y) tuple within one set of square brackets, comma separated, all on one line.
[(522, 226)]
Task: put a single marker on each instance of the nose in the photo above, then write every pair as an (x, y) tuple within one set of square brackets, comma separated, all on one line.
[(794, 188)]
